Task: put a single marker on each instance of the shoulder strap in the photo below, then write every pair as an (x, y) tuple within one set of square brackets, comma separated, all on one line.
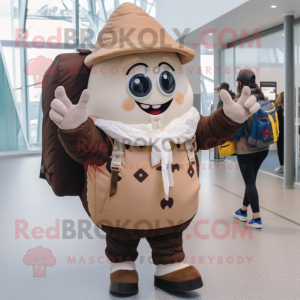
[(117, 154), (197, 162), (274, 128), (190, 151), (192, 154), (249, 123)]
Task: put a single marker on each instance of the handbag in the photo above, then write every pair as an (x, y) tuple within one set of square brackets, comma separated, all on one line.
[(227, 148)]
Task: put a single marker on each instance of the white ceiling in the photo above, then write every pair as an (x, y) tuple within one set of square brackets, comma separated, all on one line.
[(250, 15), (182, 14), (275, 40)]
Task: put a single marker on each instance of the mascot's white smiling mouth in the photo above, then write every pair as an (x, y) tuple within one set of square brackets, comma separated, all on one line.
[(154, 109)]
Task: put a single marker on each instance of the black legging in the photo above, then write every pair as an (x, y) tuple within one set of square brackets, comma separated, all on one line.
[(249, 166), (280, 141), (280, 146)]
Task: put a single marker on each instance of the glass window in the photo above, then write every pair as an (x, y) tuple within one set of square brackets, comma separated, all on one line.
[(47, 23), (207, 84), (265, 57), (227, 67), (47, 20)]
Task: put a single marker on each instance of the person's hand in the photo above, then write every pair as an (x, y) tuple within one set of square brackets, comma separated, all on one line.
[(66, 115), (241, 110)]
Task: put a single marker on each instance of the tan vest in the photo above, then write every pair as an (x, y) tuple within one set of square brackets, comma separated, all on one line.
[(139, 201)]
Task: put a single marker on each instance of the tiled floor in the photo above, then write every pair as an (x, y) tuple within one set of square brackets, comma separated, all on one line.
[(262, 264)]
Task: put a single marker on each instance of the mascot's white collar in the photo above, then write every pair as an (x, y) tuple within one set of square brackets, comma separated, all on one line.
[(178, 131)]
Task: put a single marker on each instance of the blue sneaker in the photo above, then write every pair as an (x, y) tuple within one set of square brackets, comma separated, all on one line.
[(255, 224), (240, 216)]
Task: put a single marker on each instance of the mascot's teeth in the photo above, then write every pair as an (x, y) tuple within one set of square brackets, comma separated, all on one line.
[(156, 106), (145, 106)]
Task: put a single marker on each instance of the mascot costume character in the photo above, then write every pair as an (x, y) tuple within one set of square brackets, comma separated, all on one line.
[(135, 134)]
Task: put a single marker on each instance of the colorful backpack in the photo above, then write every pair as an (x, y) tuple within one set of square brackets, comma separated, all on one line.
[(263, 129)]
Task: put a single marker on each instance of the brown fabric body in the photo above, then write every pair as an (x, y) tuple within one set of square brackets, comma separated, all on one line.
[(166, 249), (210, 131), (134, 234), (139, 201), (64, 175)]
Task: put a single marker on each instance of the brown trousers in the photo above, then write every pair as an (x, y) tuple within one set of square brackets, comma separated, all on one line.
[(166, 249)]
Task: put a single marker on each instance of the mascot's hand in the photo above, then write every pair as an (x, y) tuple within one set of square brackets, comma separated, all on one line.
[(241, 110), (66, 115)]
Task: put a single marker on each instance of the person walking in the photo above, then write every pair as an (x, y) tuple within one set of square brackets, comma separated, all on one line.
[(223, 86), (249, 158), (280, 141)]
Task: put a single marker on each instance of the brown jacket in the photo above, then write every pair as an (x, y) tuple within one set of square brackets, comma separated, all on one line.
[(138, 204)]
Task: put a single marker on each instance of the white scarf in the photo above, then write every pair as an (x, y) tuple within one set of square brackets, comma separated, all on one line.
[(178, 131)]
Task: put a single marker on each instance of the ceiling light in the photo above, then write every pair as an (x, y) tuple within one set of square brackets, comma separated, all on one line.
[(283, 34), (210, 50), (210, 34), (273, 6)]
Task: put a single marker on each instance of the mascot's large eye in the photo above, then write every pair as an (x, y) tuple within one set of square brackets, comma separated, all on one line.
[(166, 82), (140, 86)]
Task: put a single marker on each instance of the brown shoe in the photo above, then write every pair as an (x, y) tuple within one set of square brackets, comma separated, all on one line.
[(124, 282), (186, 279)]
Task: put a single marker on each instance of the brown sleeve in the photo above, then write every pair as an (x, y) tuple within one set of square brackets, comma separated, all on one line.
[(87, 144), (215, 130)]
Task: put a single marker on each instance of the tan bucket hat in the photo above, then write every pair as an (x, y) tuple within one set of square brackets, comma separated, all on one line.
[(131, 30)]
